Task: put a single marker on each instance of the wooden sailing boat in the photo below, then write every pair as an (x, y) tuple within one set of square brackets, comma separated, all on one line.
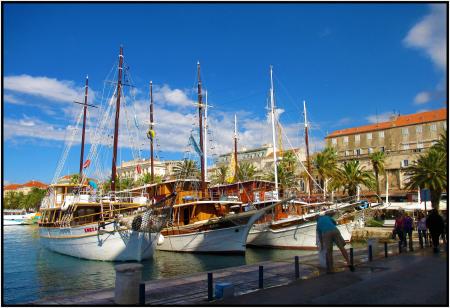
[(289, 226), (78, 221), (198, 222)]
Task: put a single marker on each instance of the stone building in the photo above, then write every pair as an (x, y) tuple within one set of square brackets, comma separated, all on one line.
[(25, 188), (130, 169), (402, 138)]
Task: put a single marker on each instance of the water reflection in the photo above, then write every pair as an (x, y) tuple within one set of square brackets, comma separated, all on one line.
[(32, 272)]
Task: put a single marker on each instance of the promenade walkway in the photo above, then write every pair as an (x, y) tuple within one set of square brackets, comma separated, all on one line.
[(413, 278), (416, 278)]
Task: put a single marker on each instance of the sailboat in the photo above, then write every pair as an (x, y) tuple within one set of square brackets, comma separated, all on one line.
[(198, 222), (292, 225), (79, 221)]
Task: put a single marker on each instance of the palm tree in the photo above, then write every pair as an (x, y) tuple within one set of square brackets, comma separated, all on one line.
[(352, 175), (285, 172), (429, 171), (75, 179), (220, 177), (441, 145), (186, 169), (377, 160), (325, 163), (246, 171)]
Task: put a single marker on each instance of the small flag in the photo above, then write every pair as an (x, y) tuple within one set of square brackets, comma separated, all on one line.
[(86, 163), (138, 169)]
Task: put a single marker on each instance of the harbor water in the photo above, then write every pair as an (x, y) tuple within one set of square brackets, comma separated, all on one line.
[(31, 272)]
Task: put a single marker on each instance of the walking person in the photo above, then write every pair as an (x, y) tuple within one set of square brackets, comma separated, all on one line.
[(435, 224), (422, 229), (398, 229), (328, 234), (407, 230)]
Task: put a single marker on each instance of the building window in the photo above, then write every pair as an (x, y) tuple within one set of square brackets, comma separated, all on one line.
[(405, 131), (357, 138), (370, 150), (369, 136), (433, 127), (406, 147), (405, 163), (333, 141), (381, 149), (346, 139), (358, 152), (444, 125), (381, 134), (347, 153), (419, 129)]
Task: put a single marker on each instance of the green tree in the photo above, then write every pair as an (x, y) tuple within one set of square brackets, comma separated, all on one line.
[(377, 160), (325, 164), (352, 175), (146, 178), (442, 145), (285, 172), (220, 176), (186, 169), (75, 179), (246, 171), (429, 171)]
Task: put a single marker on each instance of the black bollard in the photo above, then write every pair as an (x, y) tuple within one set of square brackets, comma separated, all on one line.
[(210, 287), (142, 293), (297, 268), (385, 250), (351, 257), (370, 253), (261, 277), (399, 247)]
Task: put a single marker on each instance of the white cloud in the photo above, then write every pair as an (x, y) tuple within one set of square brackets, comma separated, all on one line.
[(430, 35), (8, 98), (422, 98), (48, 88), (383, 117), (174, 97)]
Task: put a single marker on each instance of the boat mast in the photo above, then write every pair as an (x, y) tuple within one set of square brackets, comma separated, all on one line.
[(308, 164), (205, 150), (152, 174), (116, 123), (272, 114), (236, 168), (84, 128), (200, 116)]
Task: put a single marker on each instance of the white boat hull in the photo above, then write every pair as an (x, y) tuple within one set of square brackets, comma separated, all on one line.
[(300, 236), (226, 240), (14, 220), (87, 243)]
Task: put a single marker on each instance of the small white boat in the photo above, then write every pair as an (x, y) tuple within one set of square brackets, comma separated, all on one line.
[(17, 217)]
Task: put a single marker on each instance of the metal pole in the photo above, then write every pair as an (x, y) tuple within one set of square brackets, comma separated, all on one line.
[(297, 268), (399, 246), (308, 163), (370, 253), (236, 167), (200, 122), (272, 115), (351, 257), (142, 293), (385, 249), (210, 287), (261, 277)]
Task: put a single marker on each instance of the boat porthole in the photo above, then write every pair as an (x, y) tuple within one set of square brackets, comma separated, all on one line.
[(237, 230)]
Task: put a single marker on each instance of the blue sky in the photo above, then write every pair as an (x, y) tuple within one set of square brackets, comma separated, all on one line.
[(352, 63)]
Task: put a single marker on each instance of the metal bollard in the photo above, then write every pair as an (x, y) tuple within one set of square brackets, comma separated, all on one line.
[(261, 277), (399, 247), (128, 278), (385, 250), (297, 268), (370, 253), (210, 287), (142, 293), (351, 256)]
